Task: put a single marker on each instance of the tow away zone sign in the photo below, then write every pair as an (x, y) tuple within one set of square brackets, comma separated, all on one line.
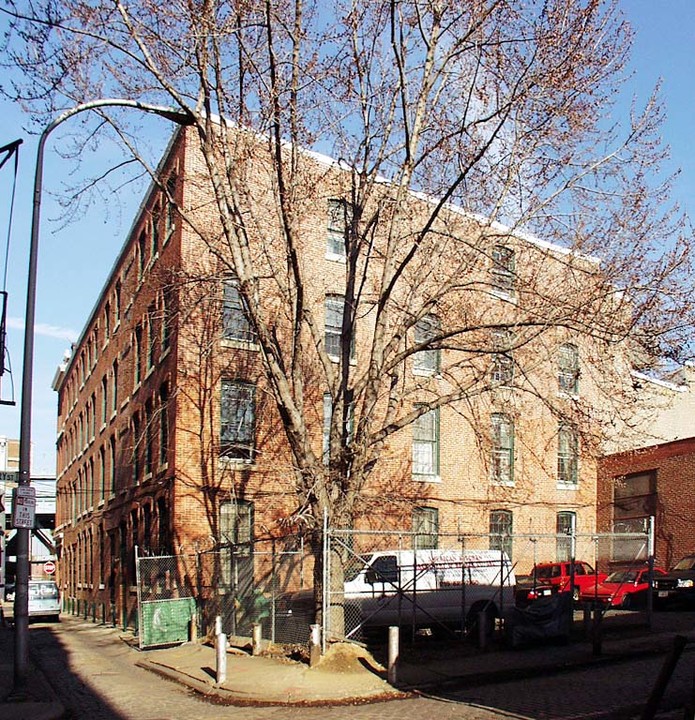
[(23, 506)]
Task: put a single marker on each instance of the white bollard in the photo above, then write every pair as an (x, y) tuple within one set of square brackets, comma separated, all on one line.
[(256, 638), (315, 645), (218, 625), (393, 654), (221, 657)]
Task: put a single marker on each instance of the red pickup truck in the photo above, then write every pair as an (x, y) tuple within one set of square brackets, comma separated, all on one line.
[(558, 574)]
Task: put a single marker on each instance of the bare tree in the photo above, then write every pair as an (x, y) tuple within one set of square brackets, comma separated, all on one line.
[(462, 133)]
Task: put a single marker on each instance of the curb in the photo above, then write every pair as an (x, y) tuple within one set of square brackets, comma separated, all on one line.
[(229, 697)]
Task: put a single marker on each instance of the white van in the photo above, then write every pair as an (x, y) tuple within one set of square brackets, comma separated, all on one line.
[(44, 599), (413, 588), (425, 588)]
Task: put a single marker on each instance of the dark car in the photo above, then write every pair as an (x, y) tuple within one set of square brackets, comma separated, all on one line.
[(529, 589), (677, 586)]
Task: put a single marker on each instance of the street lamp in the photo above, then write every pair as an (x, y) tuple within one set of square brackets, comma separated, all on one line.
[(21, 601)]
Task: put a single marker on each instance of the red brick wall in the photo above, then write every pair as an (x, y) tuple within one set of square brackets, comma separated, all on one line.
[(674, 464)]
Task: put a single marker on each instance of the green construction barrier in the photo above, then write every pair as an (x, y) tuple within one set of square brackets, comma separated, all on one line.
[(166, 621)]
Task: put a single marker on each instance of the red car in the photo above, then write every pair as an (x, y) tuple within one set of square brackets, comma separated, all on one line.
[(558, 575), (623, 588)]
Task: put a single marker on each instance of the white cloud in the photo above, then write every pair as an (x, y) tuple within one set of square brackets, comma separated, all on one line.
[(44, 330)]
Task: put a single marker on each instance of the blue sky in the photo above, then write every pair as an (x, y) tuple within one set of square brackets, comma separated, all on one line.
[(74, 260)]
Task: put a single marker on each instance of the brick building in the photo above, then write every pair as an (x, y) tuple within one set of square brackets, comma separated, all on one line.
[(168, 439), (655, 476)]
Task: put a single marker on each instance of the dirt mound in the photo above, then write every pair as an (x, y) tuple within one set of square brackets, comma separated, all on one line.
[(348, 658)]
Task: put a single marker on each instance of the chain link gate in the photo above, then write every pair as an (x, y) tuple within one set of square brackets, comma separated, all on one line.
[(251, 584), (166, 606), (244, 585)]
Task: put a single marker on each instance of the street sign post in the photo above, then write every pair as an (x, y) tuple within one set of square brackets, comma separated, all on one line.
[(23, 506)]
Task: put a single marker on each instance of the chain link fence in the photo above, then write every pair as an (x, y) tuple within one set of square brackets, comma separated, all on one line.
[(449, 584), (242, 584), (376, 579)]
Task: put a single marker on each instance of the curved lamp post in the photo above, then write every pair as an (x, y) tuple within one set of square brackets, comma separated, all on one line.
[(21, 602)]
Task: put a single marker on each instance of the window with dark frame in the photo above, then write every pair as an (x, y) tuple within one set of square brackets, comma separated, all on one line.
[(502, 459), (425, 528), (170, 221), (565, 525), (112, 466), (114, 386), (154, 230), (151, 335), (237, 420), (503, 270), (135, 451), (568, 369), (426, 329), (502, 370), (426, 444), (334, 310), (501, 529), (149, 438), (236, 521), (166, 301), (137, 355), (567, 455), (235, 317), (339, 218), (142, 254), (328, 419), (117, 304), (634, 502), (163, 424), (107, 322)]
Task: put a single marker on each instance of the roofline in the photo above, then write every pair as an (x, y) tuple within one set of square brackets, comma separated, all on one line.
[(661, 383), (65, 366), (328, 161)]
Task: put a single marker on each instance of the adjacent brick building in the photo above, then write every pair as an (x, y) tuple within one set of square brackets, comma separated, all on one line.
[(656, 478), (168, 439)]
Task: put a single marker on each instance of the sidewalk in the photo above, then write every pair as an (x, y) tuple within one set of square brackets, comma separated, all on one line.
[(41, 702), (348, 674)]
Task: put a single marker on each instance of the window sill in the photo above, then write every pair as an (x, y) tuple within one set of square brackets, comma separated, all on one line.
[(568, 486), (335, 257), (503, 483), (226, 462), (427, 478), (507, 297), (567, 396), (422, 372), (335, 359), (240, 344)]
